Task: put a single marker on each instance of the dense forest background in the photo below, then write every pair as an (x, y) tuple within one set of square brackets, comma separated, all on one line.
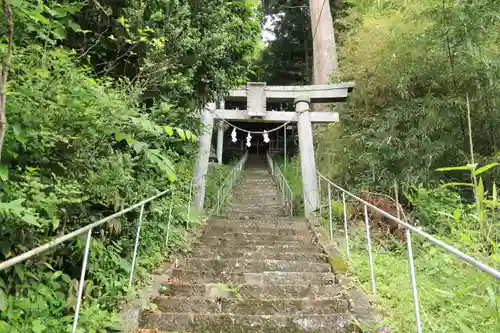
[(103, 102), (102, 112), (424, 115)]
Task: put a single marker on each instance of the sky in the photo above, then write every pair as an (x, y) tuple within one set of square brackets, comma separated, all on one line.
[(268, 36)]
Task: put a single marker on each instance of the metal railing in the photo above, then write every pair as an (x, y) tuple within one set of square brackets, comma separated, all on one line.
[(88, 230), (227, 186), (283, 186), (409, 229)]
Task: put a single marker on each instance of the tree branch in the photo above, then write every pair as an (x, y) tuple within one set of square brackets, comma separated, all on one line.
[(4, 72)]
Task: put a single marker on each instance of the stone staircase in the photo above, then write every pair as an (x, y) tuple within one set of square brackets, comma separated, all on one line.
[(253, 270)]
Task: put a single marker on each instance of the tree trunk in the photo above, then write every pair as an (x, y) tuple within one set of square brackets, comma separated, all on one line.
[(4, 72), (324, 47)]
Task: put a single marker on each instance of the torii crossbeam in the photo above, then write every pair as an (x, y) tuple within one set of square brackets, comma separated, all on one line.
[(257, 94)]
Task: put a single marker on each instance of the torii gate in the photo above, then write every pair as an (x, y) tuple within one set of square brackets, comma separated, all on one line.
[(257, 94)]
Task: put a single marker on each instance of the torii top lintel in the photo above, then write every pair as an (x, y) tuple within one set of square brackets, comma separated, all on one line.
[(257, 94), (326, 93)]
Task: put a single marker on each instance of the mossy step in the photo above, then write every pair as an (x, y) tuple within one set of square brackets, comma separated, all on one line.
[(225, 323), (201, 277), (229, 241), (251, 306), (293, 251), (236, 228), (255, 212), (264, 205), (250, 222), (253, 237), (249, 265), (263, 291), (256, 195)]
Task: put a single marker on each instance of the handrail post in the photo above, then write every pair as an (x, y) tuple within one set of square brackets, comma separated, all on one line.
[(136, 246), (320, 197), (82, 281), (370, 257), (413, 282), (345, 226), (217, 207), (168, 223), (190, 198), (330, 211), (412, 264)]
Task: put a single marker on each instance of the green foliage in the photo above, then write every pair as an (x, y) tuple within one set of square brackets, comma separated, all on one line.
[(102, 113), (420, 68), (293, 175), (453, 295), (288, 59), (413, 65), (217, 174), (184, 51)]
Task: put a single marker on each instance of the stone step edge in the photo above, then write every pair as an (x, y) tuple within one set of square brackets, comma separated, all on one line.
[(304, 285), (332, 323), (240, 285), (255, 307), (268, 245), (307, 253), (240, 259), (180, 269), (227, 234), (180, 274)]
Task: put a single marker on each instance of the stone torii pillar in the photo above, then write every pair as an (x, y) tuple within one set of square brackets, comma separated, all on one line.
[(220, 136), (307, 159), (256, 95), (201, 169)]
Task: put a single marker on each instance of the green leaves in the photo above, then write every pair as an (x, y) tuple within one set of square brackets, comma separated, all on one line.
[(105, 140), (151, 127), (16, 209), (181, 133), (168, 130), (468, 167), (4, 172), (37, 326), (3, 297), (484, 168)]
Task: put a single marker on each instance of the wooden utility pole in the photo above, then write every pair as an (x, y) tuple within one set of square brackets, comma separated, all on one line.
[(324, 47)]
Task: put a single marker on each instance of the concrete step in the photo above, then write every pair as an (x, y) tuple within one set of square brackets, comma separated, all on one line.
[(290, 251), (236, 229), (256, 214), (262, 210), (242, 241), (254, 237), (251, 306), (249, 265), (262, 291), (262, 203), (271, 277), (248, 222), (226, 323)]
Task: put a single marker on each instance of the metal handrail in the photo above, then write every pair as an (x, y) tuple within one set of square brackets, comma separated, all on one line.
[(228, 185), (283, 185), (408, 230), (88, 229)]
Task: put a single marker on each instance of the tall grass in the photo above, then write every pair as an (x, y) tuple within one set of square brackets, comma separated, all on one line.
[(454, 296)]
